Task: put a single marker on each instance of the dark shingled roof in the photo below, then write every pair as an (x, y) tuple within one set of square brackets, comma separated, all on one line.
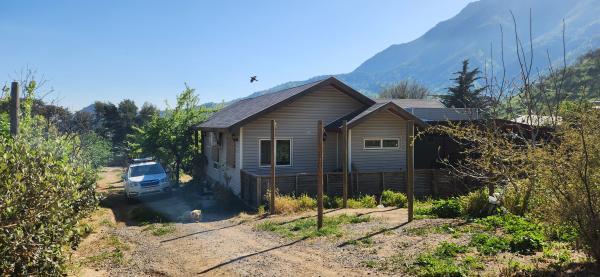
[(414, 103), (249, 108)]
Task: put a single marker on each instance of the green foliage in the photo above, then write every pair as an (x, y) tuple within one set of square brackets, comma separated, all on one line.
[(475, 204), (307, 227), (524, 236), (441, 261), (448, 208), (393, 199), (95, 149), (489, 244), (464, 95), (170, 137), (44, 191), (160, 229), (449, 250)]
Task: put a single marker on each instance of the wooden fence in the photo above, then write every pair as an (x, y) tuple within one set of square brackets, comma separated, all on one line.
[(428, 182)]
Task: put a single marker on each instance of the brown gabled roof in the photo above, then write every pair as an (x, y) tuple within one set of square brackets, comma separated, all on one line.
[(248, 109)]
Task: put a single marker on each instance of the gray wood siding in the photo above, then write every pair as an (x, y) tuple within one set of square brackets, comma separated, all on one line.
[(383, 124), (298, 121)]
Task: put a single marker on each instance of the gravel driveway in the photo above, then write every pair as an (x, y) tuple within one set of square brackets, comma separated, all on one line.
[(223, 243)]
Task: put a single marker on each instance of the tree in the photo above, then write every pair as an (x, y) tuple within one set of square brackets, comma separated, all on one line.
[(464, 94), (146, 113), (405, 90), (170, 137), (127, 115), (82, 122)]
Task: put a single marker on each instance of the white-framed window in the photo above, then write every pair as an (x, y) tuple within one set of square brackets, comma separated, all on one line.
[(381, 143), (283, 152)]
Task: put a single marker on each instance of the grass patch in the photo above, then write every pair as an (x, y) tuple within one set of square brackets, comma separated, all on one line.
[(160, 229), (111, 253), (307, 227), (146, 215)]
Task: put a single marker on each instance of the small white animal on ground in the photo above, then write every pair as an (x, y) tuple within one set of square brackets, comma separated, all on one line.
[(195, 215)]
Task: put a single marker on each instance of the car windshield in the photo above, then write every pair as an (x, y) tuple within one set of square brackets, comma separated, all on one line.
[(146, 170)]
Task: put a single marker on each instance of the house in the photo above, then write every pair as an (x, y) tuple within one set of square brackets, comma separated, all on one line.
[(236, 140)]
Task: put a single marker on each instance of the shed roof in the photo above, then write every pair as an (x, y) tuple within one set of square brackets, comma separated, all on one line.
[(247, 109)]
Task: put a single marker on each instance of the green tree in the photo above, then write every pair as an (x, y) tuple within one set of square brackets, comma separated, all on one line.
[(464, 94), (146, 113), (170, 137), (405, 90)]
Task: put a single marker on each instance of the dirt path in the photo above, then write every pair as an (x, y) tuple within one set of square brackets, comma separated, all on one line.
[(223, 243)]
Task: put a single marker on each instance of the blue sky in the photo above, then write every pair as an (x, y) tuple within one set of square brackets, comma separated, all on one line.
[(146, 50)]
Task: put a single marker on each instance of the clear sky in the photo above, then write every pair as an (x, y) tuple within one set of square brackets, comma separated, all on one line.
[(146, 50)]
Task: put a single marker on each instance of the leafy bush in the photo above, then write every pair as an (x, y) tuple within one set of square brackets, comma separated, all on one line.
[(305, 202), (393, 199), (449, 208), (441, 262), (489, 244), (525, 237), (44, 190), (367, 201), (476, 204), (526, 242), (449, 250)]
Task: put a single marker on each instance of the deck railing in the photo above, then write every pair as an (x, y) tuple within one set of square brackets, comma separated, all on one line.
[(428, 182)]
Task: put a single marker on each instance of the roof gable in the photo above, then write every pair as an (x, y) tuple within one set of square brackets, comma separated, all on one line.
[(248, 109)]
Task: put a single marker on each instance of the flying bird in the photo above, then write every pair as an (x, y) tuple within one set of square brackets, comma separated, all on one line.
[(253, 79)]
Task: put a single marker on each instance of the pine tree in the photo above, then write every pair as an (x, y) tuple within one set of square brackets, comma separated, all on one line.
[(464, 94)]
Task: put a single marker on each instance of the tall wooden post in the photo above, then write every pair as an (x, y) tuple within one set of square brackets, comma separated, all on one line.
[(320, 174), (196, 141), (345, 166), (273, 158), (410, 167), (14, 109)]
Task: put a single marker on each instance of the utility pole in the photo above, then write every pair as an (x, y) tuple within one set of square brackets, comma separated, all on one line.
[(410, 168), (272, 204), (345, 165), (320, 175), (14, 109)]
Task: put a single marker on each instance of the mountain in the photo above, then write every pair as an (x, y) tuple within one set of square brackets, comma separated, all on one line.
[(432, 58)]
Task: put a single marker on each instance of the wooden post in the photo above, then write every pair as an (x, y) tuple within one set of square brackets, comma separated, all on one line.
[(320, 174), (410, 169), (345, 166), (14, 109), (196, 141), (258, 191), (272, 183)]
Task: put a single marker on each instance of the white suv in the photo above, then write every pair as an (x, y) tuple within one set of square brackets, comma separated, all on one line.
[(144, 178)]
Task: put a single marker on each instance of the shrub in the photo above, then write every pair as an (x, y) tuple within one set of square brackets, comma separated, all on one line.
[(45, 189), (476, 204), (305, 202), (367, 201), (525, 237), (449, 208), (393, 199), (526, 242), (488, 244), (449, 250)]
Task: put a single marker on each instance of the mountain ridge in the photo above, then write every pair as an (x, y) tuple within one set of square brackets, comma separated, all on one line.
[(433, 57)]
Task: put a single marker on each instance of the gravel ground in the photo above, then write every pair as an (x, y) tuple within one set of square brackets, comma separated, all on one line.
[(224, 242)]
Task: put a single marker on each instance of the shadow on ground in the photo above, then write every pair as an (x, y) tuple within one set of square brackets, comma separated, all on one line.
[(169, 208)]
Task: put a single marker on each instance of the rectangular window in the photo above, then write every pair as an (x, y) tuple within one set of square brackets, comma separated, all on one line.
[(378, 143), (391, 143), (283, 152), (372, 143)]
